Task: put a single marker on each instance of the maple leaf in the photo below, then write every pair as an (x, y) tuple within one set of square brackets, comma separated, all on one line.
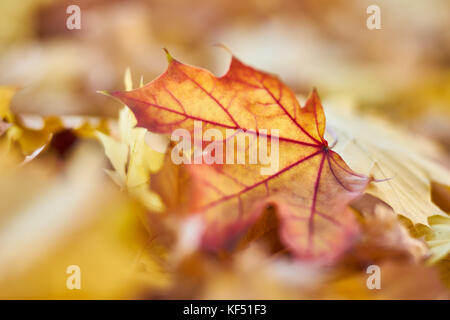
[(404, 163), (132, 159), (311, 188)]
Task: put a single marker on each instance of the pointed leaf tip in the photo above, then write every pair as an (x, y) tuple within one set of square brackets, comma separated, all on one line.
[(128, 80), (168, 55)]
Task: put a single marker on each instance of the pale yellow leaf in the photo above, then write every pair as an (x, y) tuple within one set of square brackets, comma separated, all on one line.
[(438, 238), (132, 159), (117, 153), (371, 146)]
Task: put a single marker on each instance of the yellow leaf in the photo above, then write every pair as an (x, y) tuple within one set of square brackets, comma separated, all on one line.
[(402, 161), (439, 238), (117, 153), (132, 159)]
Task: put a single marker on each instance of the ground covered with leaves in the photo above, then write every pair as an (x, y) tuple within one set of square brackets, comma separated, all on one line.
[(88, 178)]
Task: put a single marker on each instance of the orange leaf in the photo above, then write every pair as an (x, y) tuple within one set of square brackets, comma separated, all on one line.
[(311, 186)]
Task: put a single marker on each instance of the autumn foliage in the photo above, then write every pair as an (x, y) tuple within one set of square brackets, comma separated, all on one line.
[(288, 183), (310, 191)]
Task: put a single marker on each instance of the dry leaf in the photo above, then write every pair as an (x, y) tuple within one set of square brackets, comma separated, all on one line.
[(403, 164), (132, 159), (311, 188), (437, 236)]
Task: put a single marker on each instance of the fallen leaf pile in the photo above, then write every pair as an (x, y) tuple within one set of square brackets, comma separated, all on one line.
[(346, 191)]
